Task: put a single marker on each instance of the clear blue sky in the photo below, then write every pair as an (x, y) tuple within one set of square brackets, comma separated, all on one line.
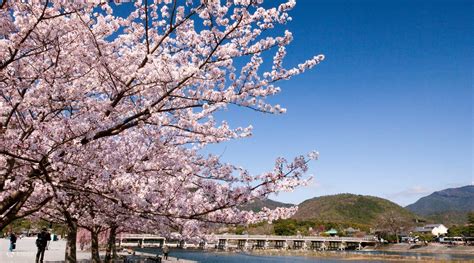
[(389, 110)]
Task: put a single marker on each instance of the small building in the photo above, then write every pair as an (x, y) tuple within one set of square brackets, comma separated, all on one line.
[(331, 232), (434, 229), (351, 231)]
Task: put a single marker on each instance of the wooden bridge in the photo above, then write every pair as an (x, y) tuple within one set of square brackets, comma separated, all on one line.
[(248, 242), (140, 240)]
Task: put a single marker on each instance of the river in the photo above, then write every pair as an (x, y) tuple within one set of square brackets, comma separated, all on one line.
[(237, 257)]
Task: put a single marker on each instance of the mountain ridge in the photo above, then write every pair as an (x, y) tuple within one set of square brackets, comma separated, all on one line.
[(258, 204), (359, 209), (460, 199), (448, 206)]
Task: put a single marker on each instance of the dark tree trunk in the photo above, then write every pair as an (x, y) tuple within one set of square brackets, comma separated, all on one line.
[(111, 251), (95, 246), (12, 203), (71, 241), (10, 206)]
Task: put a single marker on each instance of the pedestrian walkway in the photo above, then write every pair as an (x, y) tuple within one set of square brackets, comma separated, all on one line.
[(25, 252)]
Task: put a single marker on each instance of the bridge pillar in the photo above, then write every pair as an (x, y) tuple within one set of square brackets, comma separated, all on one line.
[(342, 245), (202, 244), (252, 244), (279, 244), (242, 244), (323, 246), (182, 244), (298, 244), (291, 244), (261, 244), (305, 245), (285, 244), (222, 244)]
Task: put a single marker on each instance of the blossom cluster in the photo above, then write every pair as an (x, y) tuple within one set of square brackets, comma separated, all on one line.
[(103, 115)]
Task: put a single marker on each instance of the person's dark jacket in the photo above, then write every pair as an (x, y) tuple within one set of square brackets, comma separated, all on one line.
[(13, 238), (43, 238)]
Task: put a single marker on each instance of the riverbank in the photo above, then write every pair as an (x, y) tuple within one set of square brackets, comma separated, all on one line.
[(435, 248), (386, 253)]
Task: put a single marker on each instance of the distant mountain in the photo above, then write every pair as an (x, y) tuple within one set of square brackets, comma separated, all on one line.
[(358, 209), (447, 206), (257, 205)]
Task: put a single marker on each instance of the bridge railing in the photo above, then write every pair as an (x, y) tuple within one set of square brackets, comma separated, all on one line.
[(262, 237), (305, 238), (140, 236)]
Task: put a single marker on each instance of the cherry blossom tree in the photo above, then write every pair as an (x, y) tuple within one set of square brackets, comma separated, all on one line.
[(113, 110), (183, 193)]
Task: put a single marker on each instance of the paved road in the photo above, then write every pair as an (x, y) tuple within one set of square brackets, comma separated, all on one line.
[(26, 251)]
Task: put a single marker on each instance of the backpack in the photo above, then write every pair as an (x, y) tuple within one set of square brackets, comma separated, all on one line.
[(38, 242)]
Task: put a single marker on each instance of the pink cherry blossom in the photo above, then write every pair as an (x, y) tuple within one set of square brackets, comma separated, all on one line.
[(103, 117)]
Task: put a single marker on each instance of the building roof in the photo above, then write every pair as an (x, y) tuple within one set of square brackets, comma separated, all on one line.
[(427, 228), (433, 225), (350, 229), (421, 229)]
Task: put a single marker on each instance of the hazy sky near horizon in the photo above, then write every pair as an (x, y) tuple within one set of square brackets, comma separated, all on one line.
[(389, 110)]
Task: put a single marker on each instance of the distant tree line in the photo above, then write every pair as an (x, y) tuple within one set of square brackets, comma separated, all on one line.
[(291, 227), (465, 230), (390, 228)]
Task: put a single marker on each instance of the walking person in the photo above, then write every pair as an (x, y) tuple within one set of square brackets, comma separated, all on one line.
[(12, 241), (41, 243), (166, 250)]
